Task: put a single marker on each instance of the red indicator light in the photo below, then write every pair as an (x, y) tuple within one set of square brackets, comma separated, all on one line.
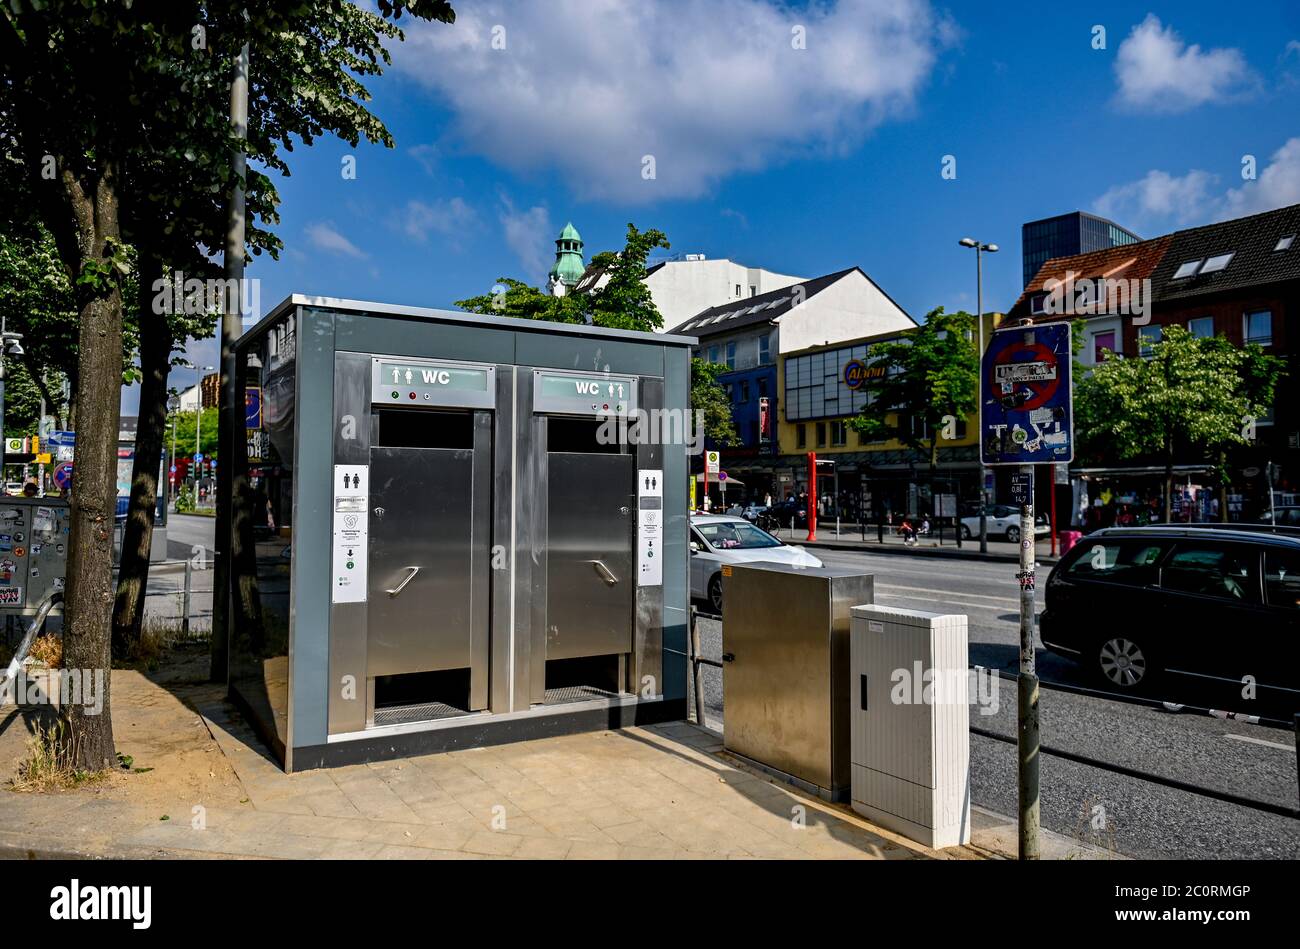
[(412, 395)]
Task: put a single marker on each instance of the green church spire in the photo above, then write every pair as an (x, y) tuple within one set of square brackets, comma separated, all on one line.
[(569, 266)]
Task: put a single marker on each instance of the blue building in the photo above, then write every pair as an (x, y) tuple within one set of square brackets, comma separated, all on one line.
[(1066, 235)]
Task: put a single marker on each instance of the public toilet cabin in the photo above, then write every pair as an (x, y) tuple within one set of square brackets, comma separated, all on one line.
[(444, 537)]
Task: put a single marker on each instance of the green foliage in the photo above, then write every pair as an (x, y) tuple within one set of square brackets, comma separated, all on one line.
[(1191, 394), (710, 397), (929, 373), (185, 499), (624, 302), (184, 423)]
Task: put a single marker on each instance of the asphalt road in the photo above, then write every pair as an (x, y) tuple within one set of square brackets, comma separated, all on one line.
[(187, 531), (1134, 817)]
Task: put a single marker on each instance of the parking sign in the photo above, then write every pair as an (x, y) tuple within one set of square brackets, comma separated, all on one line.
[(1026, 411)]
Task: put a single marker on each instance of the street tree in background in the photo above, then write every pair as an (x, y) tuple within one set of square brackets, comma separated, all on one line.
[(624, 302), (1191, 395), (928, 383)]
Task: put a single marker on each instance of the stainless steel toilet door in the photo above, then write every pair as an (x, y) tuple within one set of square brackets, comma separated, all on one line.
[(590, 583), (421, 536)]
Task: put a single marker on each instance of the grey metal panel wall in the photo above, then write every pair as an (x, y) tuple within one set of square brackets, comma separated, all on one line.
[(309, 641), (399, 337), (504, 462), (676, 591), (548, 351)]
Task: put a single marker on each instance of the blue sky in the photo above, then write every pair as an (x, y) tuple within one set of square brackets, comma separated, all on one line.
[(803, 160)]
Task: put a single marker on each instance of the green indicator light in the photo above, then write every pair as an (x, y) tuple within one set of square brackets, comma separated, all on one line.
[(395, 395)]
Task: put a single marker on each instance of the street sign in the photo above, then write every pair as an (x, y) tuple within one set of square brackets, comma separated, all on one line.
[(1026, 411), (63, 475), (198, 459), (722, 476), (1061, 473), (172, 469), (61, 439), (252, 407), (15, 446), (712, 461)]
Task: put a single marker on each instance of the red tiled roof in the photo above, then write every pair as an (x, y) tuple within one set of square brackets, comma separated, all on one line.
[(1127, 262)]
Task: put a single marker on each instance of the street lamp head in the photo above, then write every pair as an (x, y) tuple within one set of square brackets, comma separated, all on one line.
[(967, 242), (991, 248), (14, 348)]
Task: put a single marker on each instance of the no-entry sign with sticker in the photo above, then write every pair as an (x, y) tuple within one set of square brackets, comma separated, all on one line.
[(1026, 414)]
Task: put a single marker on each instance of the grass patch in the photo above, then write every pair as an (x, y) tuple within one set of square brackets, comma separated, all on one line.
[(48, 765)]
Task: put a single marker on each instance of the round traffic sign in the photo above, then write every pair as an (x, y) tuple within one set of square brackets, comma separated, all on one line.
[(722, 476), (63, 474), (1031, 387)]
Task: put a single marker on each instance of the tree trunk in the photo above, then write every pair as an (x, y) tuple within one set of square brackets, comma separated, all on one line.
[(89, 597), (156, 344)]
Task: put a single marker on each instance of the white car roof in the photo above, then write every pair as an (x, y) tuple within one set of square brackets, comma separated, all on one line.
[(717, 519)]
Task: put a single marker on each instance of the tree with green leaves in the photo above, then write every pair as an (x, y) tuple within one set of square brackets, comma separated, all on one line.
[(928, 381), (1192, 395), (623, 302), (106, 117)]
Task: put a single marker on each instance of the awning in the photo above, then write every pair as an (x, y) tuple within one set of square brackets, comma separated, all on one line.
[(1142, 471)]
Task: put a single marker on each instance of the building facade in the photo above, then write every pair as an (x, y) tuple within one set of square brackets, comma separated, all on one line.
[(1067, 235), (1239, 280)]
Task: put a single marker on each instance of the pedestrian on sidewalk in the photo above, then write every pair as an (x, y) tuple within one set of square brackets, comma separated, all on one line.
[(907, 531)]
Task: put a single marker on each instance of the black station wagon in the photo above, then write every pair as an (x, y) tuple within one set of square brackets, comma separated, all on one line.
[(1132, 604)]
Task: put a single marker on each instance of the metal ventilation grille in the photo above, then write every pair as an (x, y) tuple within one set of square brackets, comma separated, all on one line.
[(577, 693), (424, 712)]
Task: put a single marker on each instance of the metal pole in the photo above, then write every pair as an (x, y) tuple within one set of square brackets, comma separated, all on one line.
[(185, 598), (837, 500), (4, 324), (812, 496), (979, 362), (1027, 682), (695, 667)]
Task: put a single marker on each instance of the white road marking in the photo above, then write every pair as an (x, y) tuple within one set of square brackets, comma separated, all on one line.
[(1261, 741), (948, 601)]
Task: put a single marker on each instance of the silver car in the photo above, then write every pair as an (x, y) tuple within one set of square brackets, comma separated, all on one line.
[(718, 539)]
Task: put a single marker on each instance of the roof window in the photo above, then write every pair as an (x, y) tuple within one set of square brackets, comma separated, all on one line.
[(1217, 263), (1187, 269), (1285, 243)]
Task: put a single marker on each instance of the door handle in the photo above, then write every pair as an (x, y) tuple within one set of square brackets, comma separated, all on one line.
[(405, 580), (605, 573)]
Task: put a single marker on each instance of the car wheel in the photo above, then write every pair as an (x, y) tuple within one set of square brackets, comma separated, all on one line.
[(1013, 534), (715, 593), (1123, 664), (965, 532)]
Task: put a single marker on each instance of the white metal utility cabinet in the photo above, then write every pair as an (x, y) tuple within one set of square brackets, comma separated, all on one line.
[(910, 721), (439, 543)]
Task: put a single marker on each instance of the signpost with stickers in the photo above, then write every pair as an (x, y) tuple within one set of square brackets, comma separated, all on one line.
[(1026, 418)]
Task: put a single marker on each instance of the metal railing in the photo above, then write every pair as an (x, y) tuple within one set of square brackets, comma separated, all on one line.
[(184, 594)]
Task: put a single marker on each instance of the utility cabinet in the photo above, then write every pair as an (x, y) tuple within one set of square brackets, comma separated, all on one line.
[(910, 723)]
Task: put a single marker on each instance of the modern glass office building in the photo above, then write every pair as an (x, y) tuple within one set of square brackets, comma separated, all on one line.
[(1067, 234)]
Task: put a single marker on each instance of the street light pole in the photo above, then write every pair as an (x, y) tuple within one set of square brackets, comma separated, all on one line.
[(980, 248)]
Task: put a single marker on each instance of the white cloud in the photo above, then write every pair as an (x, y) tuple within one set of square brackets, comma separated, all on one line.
[(1156, 70), (530, 235), (426, 155), (325, 236), (590, 87), (1276, 186), (1158, 197), (1159, 200), (448, 218)]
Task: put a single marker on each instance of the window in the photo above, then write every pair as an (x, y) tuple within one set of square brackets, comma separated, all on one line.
[(1217, 263), (731, 395), (713, 354), (729, 535), (1102, 343), (737, 290), (1224, 572), (1187, 269), (1202, 327), (744, 390), (1284, 243), (839, 434), (731, 355), (1036, 303), (1148, 336), (1117, 561), (801, 435), (765, 349), (821, 434), (753, 290), (1282, 578), (762, 386), (1259, 327)]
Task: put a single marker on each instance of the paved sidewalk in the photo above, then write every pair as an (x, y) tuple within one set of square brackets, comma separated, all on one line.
[(665, 792)]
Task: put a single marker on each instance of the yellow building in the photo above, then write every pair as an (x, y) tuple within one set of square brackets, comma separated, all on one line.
[(821, 390)]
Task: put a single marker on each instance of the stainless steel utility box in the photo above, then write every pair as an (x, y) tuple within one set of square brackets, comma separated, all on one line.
[(785, 636), (911, 721)]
